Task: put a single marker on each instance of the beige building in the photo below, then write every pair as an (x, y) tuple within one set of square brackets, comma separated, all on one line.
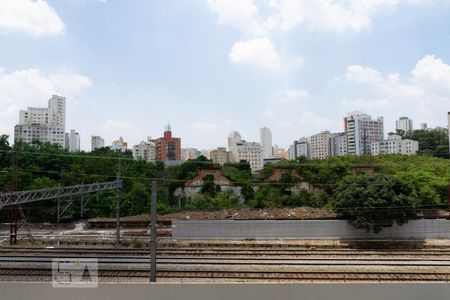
[(245, 151), (319, 145), (220, 156)]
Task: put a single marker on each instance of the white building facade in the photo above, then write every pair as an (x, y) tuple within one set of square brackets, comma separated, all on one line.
[(338, 144), (362, 131), (119, 145), (145, 151), (319, 145), (43, 124), (405, 124), (97, 142), (395, 145), (265, 138), (73, 141), (299, 148), (242, 150)]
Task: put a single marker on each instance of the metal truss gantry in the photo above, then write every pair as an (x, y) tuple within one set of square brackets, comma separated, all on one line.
[(16, 198)]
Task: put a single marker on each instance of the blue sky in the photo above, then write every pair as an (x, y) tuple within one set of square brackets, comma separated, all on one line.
[(212, 66)]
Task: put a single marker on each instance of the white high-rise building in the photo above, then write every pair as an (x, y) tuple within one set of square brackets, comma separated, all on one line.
[(53, 116), (300, 148), (319, 145), (145, 151), (245, 151), (97, 142), (265, 138), (233, 138), (362, 131), (395, 145), (338, 144), (43, 124), (73, 141), (405, 124), (120, 145)]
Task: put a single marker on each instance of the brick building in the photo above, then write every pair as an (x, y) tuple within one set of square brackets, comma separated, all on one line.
[(168, 148)]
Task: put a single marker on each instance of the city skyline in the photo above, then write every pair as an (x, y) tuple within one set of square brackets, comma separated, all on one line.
[(213, 66), (36, 117)]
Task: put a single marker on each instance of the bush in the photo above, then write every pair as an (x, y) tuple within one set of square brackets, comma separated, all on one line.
[(226, 199), (375, 201)]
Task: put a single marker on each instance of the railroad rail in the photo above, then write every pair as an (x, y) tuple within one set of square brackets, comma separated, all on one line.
[(46, 274)]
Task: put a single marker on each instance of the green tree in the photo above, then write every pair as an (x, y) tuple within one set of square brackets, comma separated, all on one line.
[(374, 201), (209, 187)]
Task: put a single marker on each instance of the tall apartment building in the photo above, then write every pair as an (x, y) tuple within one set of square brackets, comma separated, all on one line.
[(168, 148), (423, 126), (145, 151), (119, 145), (97, 142), (405, 124), (319, 145), (265, 138), (245, 151), (233, 138), (299, 148), (43, 124), (220, 156), (338, 144), (395, 145), (73, 141), (362, 131)]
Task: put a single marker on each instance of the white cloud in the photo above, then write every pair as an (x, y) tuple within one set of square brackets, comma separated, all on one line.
[(269, 114), (284, 124), (365, 104), (36, 18), (237, 13), (313, 123), (331, 15), (433, 75), (31, 87), (256, 52), (261, 52), (204, 126), (117, 125), (425, 93), (291, 96)]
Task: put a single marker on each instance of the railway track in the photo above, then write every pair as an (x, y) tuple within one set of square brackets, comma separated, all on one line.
[(225, 251), (104, 275), (237, 264)]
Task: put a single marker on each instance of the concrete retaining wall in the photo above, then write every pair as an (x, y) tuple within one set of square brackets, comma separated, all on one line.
[(304, 229), (366, 291)]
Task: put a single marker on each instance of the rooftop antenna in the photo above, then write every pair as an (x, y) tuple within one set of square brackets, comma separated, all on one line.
[(168, 127)]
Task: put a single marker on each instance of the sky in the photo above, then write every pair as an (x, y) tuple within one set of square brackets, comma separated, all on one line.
[(128, 67)]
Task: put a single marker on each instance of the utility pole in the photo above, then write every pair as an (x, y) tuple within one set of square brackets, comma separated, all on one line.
[(58, 213), (82, 207), (118, 211), (153, 234)]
